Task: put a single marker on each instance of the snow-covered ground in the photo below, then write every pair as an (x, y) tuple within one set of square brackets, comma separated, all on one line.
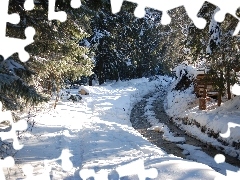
[(219, 126), (94, 138)]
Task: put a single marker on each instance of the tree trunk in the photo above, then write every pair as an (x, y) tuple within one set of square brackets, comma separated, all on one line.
[(55, 103), (57, 98), (90, 81), (228, 83), (219, 98), (100, 71), (139, 70), (229, 91), (221, 87), (100, 78), (49, 86)]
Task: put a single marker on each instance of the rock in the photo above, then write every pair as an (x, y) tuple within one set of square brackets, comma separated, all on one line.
[(75, 98), (79, 97), (83, 92)]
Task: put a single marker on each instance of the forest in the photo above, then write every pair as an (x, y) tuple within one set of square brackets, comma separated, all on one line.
[(96, 45), (103, 93)]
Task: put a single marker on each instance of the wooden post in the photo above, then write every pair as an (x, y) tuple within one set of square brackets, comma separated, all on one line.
[(203, 99), (202, 103)]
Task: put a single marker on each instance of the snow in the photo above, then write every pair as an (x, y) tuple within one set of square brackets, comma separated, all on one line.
[(160, 127), (95, 138), (236, 89), (194, 153), (85, 88), (215, 32), (182, 104), (11, 65), (184, 67), (167, 134), (223, 121)]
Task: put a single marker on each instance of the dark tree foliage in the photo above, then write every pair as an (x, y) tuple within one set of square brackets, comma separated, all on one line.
[(15, 91), (125, 47), (55, 53), (115, 46), (217, 45)]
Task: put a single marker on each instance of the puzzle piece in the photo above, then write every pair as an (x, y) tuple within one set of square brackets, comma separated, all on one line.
[(18, 126), (10, 45), (87, 173), (52, 14), (227, 133), (66, 162), (164, 6), (133, 168), (219, 158), (7, 162), (137, 168), (236, 89), (76, 3), (192, 8), (61, 15), (29, 5), (230, 175), (66, 166), (28, 171)]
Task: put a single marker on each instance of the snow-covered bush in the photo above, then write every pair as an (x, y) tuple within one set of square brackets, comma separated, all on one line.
[(185, 74), (181, 93)]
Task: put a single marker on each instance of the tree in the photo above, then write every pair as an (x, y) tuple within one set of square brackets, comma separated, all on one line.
[(224, 56), (124, 46), (55, 54), (16, 90), (217, 46), (173, 40)]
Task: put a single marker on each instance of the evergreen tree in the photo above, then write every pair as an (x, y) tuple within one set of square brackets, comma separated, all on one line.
[(173, 40), (16, 87), (55, 54), (198, 39), (216, 44), (224, 56), (125, 47)]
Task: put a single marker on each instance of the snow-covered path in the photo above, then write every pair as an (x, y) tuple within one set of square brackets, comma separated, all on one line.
[(94, 138)]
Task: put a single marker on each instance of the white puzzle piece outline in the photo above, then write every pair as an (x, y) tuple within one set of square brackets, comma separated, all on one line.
[(66, 164), (229, 125), (220, 158), (18, 126), (52, 14), (8, 45), (5, 163), (192, 9), (13, 45), (133, 168)]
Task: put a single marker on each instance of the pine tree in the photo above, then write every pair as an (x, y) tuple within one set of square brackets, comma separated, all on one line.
[(16, 89), (216, 44), (55, 54), (125, 47), (173, 40), (224, 54)]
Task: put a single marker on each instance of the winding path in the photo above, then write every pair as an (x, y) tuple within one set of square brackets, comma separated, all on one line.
[(140, 123)]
